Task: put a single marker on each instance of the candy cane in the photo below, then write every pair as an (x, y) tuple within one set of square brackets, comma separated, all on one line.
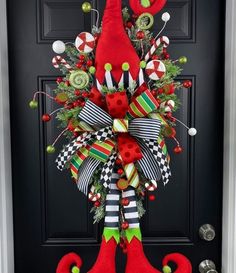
[(162, 40), (151, 186), (93, 196), (58, 60)]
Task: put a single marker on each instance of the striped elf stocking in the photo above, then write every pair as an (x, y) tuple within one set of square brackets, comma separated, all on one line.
[(111, 236)]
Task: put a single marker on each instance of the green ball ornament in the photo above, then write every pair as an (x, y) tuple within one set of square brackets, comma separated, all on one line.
[(166, 269), (125, 66), (79, 79), (143, 64), (92, 70), (75, 269), (86, 7), (108, 67), (33, 104), (51, 149), (183, 60)]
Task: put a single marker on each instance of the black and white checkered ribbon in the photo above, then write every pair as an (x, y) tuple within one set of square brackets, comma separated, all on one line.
[(161, 158), (107, 169)]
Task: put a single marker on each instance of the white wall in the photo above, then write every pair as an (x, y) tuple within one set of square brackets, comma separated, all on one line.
[(229, 191), (6, 224)]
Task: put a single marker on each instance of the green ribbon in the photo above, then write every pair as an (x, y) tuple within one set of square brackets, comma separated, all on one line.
[(109, 233), (130, 233)]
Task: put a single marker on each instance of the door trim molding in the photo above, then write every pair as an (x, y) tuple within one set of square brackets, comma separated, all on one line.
[(229, 186), (6, 218)]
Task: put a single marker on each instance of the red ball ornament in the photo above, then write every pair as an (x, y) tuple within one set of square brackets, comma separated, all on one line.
[(187, 84), (85, 94), (46, 117), (167, 56), (77, 92), (97, 204), (129, 24), (76, 103), (151, 197), (118, 161), (67, 83), (160, 90), (125, 225), (120, 171), (59, 80), (178, 149), (154, 93), (140, 35), (81, 57), (155, 57), (79, 65), (89, 63), (125, 202)]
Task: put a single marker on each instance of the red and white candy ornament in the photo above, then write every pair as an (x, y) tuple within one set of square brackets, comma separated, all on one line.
[(92, 196), (58, 60), (85, 42), (167, 105), (155, 70), (152, 186)]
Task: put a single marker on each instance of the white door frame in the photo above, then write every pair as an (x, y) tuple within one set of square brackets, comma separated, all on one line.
[(229, 188), (6, 219)]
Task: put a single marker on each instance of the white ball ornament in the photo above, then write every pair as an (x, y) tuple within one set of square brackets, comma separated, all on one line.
[(165, 17), (192, 131), (58, 47)]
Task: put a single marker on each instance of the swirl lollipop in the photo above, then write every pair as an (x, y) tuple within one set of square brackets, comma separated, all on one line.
[(79, 79)]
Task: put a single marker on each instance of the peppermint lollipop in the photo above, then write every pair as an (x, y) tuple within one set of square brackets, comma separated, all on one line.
[(85, 42), (155, 70)]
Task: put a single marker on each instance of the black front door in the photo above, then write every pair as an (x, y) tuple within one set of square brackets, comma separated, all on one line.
[(51, 217)]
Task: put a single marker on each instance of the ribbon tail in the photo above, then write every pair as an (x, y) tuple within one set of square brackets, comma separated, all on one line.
[(86, 172), (132, 174), (107, 170), (70, 149), (161, 158), (148, 163)]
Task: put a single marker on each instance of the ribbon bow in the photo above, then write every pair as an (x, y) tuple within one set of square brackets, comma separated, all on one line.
[(111, 138)]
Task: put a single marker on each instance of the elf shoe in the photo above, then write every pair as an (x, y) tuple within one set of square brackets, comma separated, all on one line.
[(184, 265), (137, 262), (106, 258)]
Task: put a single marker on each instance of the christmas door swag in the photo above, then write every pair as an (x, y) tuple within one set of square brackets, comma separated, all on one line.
[(117, 97)]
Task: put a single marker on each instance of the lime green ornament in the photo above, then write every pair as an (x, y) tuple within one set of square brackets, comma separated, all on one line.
[(86, 7), (108, 67), (166, 269), (51, 149), (125, 66), (183, 60), (33, 104), (145, 3), (142, 64), (75, 269), (145, 21), (79, 79), (92, 70)]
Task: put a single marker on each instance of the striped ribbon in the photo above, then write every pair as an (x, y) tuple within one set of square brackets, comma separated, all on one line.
[(142, 105), (120, 125), (132, 174), (77, 160), (102, 150)]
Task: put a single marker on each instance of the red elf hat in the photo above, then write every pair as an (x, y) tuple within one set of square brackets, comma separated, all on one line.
[(114, 46)]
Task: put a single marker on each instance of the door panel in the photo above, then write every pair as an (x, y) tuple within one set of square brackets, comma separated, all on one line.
[(51, 217)]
